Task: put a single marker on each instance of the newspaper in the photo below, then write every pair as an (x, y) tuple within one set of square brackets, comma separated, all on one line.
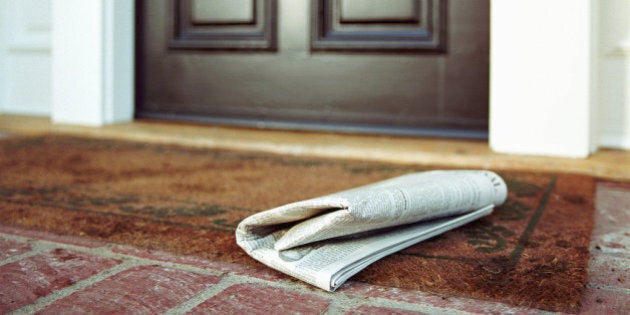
[(326, 240)]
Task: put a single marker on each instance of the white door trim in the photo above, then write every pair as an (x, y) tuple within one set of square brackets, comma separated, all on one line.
[(543, 85), (92, 61)]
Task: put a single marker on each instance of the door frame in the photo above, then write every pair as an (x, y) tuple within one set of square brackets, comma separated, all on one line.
[(542, 79)]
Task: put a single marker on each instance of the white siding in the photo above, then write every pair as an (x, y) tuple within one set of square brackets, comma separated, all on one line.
[(25, 57), (614, 74)]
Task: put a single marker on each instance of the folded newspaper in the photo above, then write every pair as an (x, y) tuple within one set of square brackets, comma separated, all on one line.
[(326, 240)]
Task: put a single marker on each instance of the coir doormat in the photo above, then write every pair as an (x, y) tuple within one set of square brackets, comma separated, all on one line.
[(532, 251)]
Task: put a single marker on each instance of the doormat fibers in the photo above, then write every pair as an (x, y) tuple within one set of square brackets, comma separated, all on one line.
[(532, 251)]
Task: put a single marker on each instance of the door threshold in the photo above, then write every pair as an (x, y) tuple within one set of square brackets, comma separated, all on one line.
[(437, 152)]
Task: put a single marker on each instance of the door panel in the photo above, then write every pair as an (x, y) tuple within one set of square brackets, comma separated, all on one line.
[(222, 12), (217, 24), (414, 66), (370, 11), (395, 25)]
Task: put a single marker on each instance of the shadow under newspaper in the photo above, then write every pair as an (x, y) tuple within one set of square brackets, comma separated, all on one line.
[(326, 240)]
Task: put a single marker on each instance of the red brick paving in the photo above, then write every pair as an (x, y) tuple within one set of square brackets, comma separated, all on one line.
[(41, 235), (26, 280), (247, 298), (10, 248), (140, 290), (376, 310), (610, 271), (46, 273), (603, 301), (260, 272)]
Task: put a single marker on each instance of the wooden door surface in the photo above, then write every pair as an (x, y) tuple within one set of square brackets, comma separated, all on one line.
[(384, 66)]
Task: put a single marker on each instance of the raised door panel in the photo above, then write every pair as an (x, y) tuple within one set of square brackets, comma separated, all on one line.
[(378, 11), (223, 24), (222, 12), (395, 25)]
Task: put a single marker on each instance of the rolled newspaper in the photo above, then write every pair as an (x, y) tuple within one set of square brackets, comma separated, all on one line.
[(324, 241)]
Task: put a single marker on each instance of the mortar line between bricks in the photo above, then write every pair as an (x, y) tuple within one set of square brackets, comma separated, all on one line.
[(234, 279), (30, 253), (44, 301), (347, 303), (354, 300), (415, 307), (226, 282), (37, 247), (594, 285), (427, 307), (342, 303), (47, 244), (105, 251), (285, 285)]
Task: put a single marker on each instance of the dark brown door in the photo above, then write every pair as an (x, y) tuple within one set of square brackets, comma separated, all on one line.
[(385, 66)]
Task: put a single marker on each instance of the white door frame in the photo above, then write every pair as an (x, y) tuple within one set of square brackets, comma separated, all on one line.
[(543, 86), (93, 61), (542, 78)]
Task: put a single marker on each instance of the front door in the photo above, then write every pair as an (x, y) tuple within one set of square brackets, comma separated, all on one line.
[(384, 66)]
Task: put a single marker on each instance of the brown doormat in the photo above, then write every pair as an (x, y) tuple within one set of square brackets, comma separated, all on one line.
[(532, 251)]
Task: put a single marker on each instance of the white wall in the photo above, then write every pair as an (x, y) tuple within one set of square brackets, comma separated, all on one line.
[(614, 74), (25, 62)]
